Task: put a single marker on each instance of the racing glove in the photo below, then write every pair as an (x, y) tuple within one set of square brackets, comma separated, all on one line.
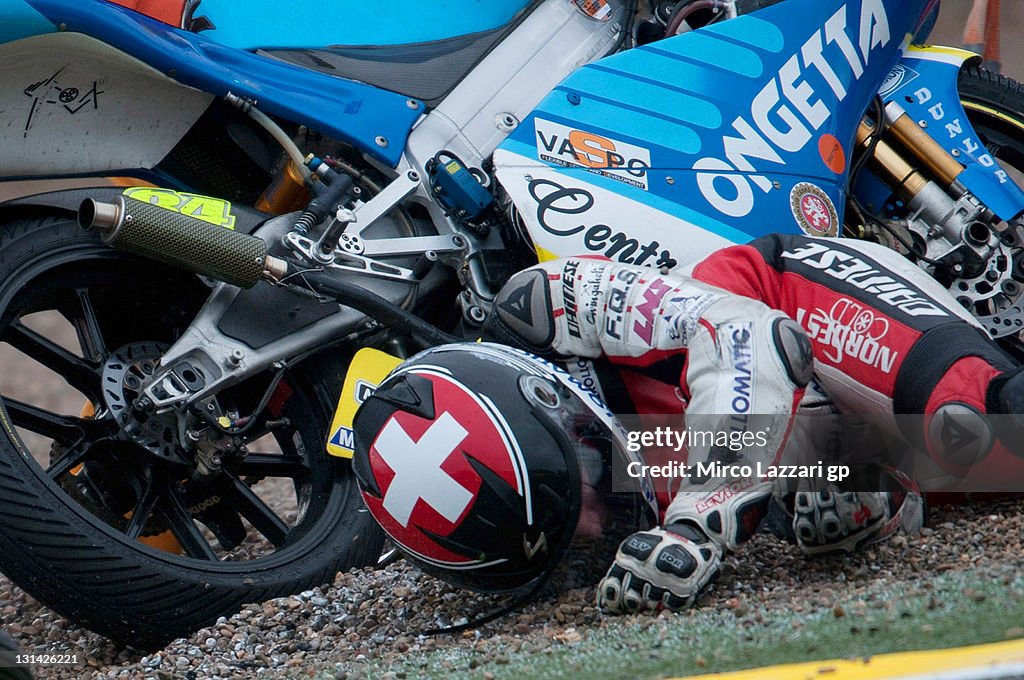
[(846, 521), (662, 568), (669, 567)]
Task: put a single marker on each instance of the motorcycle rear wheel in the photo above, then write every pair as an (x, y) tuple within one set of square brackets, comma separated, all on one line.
[(71, 484)]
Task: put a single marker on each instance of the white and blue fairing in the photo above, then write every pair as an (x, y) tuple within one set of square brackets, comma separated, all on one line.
[(247, 53), (664, 153)]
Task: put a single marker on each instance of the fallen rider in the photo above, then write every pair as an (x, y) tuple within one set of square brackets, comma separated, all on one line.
[(478, 459)]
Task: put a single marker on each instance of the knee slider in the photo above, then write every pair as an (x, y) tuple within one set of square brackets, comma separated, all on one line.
[(794, 348)]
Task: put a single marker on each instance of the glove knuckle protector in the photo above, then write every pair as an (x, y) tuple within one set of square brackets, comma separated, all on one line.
[(659, 568), (834, 521)]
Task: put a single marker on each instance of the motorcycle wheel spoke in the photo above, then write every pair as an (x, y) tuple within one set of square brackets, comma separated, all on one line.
[(272, 465), (183, 527), (79, 373), (63, 429), (87, 326), (69, 459), (259, 514), (142, 510)]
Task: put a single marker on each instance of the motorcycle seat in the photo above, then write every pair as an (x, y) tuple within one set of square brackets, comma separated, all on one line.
[(421, 50), (424, 71)]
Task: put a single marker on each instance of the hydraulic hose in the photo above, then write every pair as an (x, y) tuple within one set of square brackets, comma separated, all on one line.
[(376, 307), (282, 138)]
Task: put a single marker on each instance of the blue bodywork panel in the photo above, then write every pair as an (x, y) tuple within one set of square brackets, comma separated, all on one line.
[(345, 109), (738, 118), (927, 88), (250, 24), (18, 20), (298, 24)]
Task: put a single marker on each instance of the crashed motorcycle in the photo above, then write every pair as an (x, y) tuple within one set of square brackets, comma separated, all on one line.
[(223, 224)]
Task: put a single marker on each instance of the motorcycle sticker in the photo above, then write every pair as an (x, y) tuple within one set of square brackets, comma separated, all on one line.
[(814, 210), (604, 156), (599, 10), (563, 211), (900, 75), (213, 210), (832, 153), (368, 369), (49, 92)]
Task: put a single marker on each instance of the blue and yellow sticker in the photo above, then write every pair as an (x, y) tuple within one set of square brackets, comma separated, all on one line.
[(367, 370), (206, 208)]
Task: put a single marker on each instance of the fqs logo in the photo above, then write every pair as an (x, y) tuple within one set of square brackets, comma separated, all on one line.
[(604, 156)]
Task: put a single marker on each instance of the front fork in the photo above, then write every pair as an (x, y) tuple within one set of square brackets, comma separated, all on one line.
[(943, 198)]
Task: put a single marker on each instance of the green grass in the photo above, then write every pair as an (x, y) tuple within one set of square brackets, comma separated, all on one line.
[(960, 608)]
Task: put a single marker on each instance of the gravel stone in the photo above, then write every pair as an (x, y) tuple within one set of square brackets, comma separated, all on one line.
[(378, 616)]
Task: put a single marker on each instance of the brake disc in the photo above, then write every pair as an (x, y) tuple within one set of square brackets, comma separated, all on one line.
[(124, 375)]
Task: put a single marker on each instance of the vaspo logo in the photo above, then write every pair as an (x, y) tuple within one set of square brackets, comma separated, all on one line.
[(611, 158)]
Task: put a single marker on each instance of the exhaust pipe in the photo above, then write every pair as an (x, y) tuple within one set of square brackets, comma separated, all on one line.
[(181, 241)]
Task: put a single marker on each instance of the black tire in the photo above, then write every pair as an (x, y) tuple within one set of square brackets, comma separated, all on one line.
[(995, 107), (63, 535)]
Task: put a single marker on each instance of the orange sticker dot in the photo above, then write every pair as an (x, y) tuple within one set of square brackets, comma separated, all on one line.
[(832, 153)]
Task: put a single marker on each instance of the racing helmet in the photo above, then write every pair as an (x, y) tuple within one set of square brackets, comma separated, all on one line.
[(469, 457)]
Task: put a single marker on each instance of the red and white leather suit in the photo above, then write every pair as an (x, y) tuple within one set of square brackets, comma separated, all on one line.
[(735, 339)]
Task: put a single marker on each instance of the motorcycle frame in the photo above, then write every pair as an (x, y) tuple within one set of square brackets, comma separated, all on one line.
[(470, 122)]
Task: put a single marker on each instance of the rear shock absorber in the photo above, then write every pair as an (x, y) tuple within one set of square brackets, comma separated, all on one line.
[(181, 241)]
